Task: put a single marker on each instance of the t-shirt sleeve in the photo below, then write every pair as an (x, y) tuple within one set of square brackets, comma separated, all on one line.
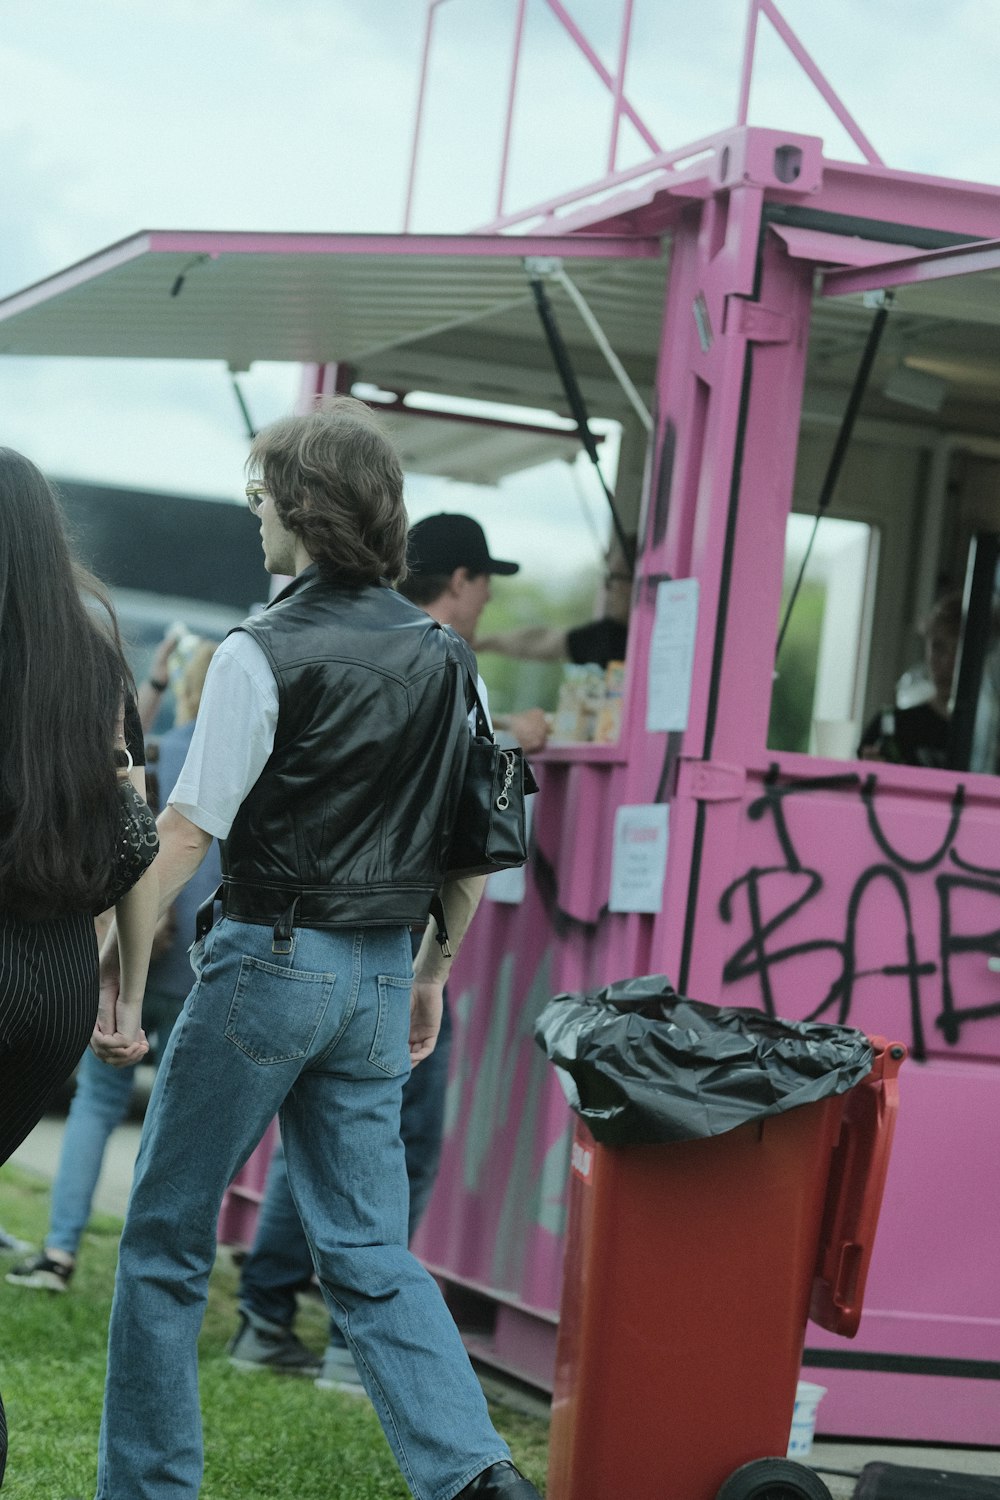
[(133, 732), (233, 736), (598, 641)]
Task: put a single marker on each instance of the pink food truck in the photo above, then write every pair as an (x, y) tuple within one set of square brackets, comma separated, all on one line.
[(793, 346)]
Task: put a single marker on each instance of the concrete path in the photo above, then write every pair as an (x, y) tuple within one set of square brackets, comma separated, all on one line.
[(40, 1154)]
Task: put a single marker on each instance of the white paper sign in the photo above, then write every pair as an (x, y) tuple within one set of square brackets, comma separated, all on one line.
[(509, 886), (671, 654), (639, 858)]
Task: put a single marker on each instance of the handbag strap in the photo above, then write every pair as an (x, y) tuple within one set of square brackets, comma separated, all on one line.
[(483, 727)]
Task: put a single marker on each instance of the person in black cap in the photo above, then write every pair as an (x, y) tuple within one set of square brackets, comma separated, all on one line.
[(450, 568)]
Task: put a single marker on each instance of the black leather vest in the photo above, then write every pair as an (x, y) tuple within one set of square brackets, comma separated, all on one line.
[(349, 821)]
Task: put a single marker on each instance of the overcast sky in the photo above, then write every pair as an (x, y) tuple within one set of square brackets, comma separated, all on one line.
[(121, 115)]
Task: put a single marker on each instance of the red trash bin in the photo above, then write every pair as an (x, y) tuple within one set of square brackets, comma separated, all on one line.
[(690, 1271)]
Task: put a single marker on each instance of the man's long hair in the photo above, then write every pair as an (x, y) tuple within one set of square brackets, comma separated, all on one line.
[(338, 485), (62, 678)]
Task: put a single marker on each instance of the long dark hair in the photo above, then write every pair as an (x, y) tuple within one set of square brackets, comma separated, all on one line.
[(62, 676)]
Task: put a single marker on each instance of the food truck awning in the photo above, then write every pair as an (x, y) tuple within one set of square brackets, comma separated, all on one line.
[(456, 446), (433, 312)]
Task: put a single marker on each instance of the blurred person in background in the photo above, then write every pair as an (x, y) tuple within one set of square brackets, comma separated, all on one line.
[(917, 734), (68, 729), (104, 1094), (600, 640)]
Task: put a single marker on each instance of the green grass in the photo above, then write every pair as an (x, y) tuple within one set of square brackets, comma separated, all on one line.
[(267, 1437)]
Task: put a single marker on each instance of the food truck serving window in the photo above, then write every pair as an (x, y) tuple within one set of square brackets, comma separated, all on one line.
[(903, 586), (821, 671)]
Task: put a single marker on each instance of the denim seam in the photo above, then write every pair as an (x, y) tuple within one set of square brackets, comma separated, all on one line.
[(384, 983), (402, 1459), (317, 1062)]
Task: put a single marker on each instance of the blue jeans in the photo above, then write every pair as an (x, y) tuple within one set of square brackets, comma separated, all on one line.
[(319, 1036), (280, 1264), (98, 1106)]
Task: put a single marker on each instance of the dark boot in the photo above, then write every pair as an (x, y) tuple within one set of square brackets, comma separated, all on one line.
[(499, 1482)]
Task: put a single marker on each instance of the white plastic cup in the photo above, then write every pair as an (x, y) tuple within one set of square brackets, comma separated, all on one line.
[(807, 1399), (835, 739)]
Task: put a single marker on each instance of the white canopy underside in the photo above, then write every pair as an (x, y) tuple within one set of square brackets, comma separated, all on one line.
[(455, 316)]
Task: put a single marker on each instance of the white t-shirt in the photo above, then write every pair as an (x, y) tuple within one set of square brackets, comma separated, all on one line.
[(234, 735)]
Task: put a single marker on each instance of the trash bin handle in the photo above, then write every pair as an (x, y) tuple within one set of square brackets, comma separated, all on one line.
[(854, 1194)]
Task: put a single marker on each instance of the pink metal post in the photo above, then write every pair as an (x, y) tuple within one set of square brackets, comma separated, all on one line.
[(511, 94), (619, 92), (432, 6), (563, 16)]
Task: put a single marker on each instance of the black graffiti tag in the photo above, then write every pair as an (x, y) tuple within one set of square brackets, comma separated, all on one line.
[(766, 889)]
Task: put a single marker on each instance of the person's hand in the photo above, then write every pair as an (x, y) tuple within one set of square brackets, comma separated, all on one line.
[(118, 1037), (530, 729), (117, 1048), (109, 986), (426, 1008), (159, 669)]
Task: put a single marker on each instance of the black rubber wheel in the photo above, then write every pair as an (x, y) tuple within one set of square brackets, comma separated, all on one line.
[(773, 1479)]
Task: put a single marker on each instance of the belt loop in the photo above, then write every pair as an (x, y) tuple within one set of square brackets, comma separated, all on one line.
[(284, 929), (206, 915)]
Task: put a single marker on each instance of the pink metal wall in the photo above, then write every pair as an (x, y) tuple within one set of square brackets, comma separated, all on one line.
[(807, 887)]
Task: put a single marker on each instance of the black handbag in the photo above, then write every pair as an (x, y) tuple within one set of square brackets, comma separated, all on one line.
[(135, 846), (489, 832)]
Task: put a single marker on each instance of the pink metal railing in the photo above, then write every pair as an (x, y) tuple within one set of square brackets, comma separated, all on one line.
[(808, 66), (622, 107)]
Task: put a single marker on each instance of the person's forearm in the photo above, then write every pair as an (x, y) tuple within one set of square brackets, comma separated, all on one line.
[(531, 643), (183, 846), (135, 921), (459, 899), (147, 702)]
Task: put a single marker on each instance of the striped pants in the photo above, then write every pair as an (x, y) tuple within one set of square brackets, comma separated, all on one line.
[(48, 1006)]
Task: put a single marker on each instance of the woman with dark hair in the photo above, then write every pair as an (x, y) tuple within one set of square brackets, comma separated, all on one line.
[(67, 722)]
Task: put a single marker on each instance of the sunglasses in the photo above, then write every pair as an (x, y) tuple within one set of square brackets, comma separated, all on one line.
[(256, 495)]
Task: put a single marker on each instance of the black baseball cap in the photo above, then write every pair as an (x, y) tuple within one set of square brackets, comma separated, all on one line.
[(442, 543)]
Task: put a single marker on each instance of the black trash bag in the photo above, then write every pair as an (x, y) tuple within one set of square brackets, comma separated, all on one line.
[(641, 1064)]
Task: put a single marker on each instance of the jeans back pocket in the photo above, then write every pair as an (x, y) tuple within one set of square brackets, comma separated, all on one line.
[(275, 1013)]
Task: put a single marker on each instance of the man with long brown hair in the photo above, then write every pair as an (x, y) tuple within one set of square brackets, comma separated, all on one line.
[(329, 747)]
